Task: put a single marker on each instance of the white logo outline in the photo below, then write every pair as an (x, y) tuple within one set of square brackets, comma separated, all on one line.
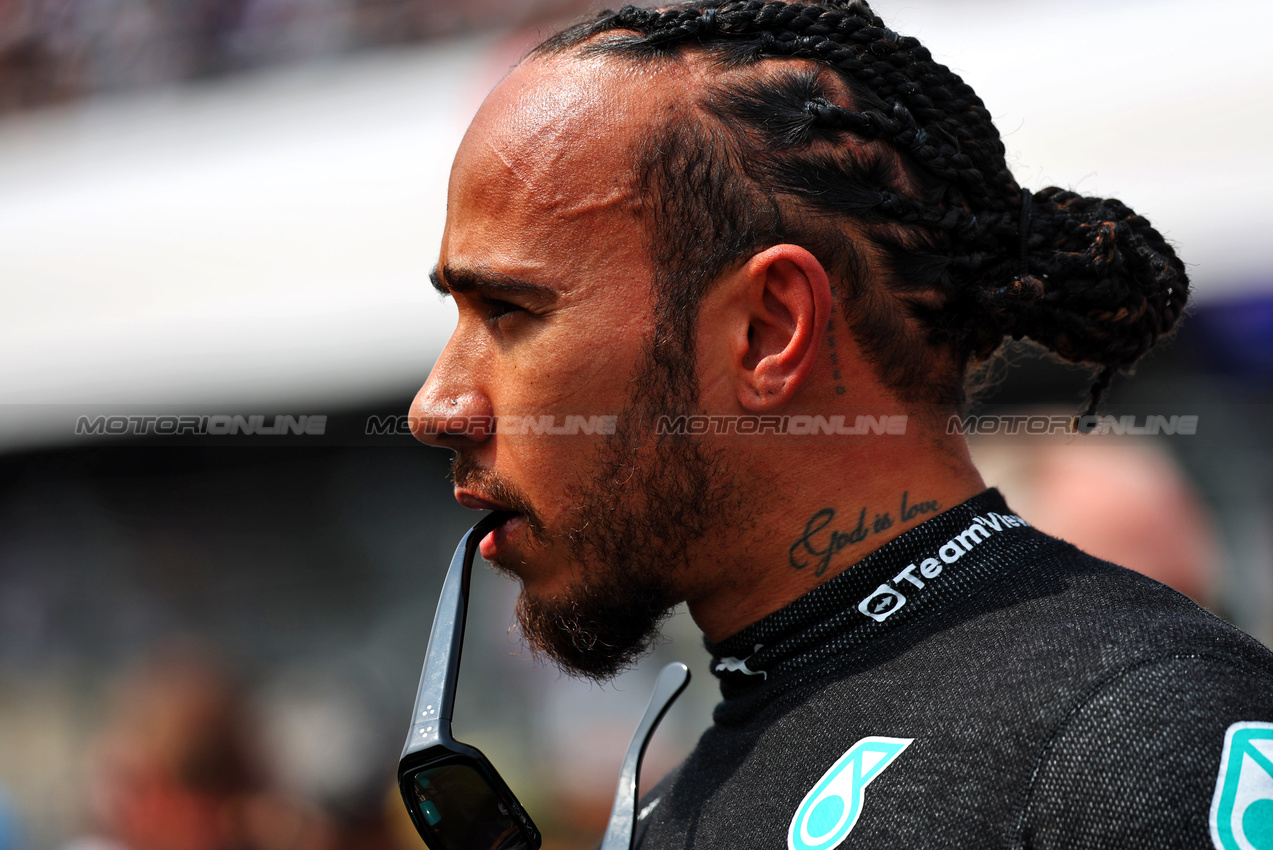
[(847, 780), (1226, 823)]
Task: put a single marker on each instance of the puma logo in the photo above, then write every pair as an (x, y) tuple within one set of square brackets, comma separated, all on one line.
[(734, 665)]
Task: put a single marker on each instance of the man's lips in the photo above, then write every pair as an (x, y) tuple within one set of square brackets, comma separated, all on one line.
[(478, 503), (497, 537), (508, 521)]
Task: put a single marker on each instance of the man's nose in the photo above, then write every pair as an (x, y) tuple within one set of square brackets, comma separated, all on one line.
[(449, 417)]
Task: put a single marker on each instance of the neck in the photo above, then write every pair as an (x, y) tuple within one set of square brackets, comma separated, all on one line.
[(820, 516)]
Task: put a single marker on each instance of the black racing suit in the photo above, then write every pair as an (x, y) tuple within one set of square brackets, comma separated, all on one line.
[(979, 684)]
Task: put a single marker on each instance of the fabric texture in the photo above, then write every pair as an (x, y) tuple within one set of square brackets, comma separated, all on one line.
[(1049, 699)]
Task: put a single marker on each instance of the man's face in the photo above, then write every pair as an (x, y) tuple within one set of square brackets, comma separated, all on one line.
[(544, 255)]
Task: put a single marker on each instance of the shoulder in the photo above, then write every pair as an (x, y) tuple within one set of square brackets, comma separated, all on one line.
[(1110, 617), (1148, 687), (1138, 760)]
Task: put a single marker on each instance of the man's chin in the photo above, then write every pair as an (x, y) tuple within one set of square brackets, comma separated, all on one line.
[(590, 634), (538, 578)]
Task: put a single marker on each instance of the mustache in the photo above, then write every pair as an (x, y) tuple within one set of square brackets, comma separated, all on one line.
[(466, 472)]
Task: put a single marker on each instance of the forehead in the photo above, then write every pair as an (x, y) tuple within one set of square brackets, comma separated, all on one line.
[(564, 117), (545, 169)]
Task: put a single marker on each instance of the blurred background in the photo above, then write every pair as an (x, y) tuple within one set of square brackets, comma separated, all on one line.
[(230, 207)]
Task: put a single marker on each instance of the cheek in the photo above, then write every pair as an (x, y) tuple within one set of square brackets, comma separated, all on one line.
[(570, 375), (551, 470)]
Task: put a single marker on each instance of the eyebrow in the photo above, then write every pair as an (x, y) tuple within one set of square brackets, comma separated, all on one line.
[(453, 279)]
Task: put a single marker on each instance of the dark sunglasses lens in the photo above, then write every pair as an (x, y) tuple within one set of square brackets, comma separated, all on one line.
[(463, 812)]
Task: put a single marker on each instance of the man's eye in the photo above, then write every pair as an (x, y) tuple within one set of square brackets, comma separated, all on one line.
[(496, 309)]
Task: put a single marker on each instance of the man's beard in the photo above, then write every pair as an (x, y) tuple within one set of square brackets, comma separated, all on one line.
[(640, 508)]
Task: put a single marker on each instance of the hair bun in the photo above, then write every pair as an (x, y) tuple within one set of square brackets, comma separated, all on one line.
[(1112, 286)]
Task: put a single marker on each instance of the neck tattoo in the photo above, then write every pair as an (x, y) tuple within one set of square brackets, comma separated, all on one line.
[(819, 543)]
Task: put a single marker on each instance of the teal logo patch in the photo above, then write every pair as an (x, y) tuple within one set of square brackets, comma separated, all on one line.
[(1242, 809), (830, 810)]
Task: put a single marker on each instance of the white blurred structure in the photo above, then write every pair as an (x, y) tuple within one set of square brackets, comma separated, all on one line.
[(267, 238)]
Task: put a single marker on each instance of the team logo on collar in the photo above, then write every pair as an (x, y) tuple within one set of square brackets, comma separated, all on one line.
[(888, 598), (1242, 809), (830, 810)]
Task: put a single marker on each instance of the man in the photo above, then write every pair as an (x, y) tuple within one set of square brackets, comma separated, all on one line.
[(767, 243)]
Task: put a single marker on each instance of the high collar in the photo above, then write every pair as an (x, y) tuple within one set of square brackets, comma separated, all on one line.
[(942, 560)]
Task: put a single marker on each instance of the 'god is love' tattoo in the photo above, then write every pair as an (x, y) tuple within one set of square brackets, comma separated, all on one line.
[(819, 543)]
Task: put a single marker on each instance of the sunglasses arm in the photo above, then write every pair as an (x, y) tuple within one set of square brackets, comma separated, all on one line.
[(622, 828), (435, 696)]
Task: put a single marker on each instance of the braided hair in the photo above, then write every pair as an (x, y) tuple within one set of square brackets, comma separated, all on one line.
[(887, 166)]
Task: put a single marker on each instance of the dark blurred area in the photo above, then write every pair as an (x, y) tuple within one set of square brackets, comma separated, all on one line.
[(54, 51), (212, 679), (216, 649)]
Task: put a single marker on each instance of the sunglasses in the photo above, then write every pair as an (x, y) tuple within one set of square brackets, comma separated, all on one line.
[(454, 795)]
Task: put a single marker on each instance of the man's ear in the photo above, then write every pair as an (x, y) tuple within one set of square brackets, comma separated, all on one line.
[(789, 304)]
